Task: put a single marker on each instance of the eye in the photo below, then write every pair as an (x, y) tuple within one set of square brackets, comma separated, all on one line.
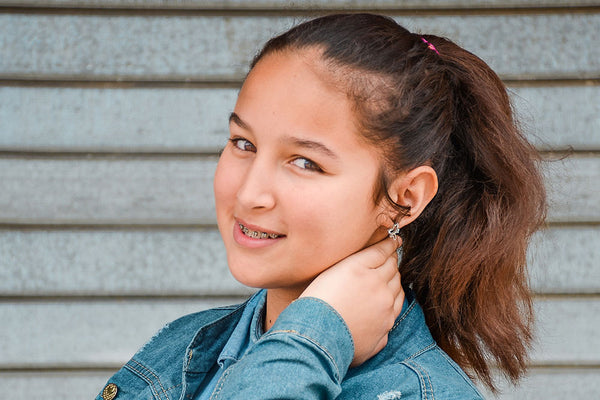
[(305, 163), (243, 144)]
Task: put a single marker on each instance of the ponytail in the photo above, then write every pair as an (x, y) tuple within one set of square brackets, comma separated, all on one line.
[(425, 101), (466, 255)]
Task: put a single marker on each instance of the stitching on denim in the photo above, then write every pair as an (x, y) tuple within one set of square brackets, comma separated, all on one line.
[(408, 364), (156, 376), (220, 384), (336, 313), (148, 371), (222, 320), (143, 375), (173, 387), (405, 315), (423, 373), (460, 371), (428, 381), (423, 350), (313, 341)]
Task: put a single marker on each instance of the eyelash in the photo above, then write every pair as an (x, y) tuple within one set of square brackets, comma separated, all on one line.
[(313, 168), (236, 141)]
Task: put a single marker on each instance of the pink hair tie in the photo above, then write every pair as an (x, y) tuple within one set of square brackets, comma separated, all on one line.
[(430, 46)]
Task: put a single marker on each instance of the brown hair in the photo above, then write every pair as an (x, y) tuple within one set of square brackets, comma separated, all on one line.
[(465, 255)]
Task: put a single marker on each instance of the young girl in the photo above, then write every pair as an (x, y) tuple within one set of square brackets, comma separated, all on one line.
[(350, 137)]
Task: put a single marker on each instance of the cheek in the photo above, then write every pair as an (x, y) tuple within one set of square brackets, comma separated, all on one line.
[(335, 216), (225, 182)]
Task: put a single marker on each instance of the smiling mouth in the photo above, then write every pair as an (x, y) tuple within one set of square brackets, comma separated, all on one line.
[(258, 234)]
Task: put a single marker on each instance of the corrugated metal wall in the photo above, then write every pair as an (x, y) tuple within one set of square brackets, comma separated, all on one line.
[(111, 116)]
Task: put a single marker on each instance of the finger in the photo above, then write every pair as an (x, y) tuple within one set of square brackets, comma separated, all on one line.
[(389, 268), (397, 241), (376, 254), (395, 284)]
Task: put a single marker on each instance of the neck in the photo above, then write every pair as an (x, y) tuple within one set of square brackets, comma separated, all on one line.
[(277, 301)]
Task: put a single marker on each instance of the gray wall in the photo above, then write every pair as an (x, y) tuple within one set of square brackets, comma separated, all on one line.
[(111, 116)]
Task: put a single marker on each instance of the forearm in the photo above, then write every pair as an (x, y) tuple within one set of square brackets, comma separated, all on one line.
[(304, 356)]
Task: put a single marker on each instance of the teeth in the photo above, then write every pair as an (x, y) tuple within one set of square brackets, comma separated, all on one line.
[(257, 234)]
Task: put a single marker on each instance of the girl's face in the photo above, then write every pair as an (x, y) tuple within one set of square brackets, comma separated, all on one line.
[(294, 185)]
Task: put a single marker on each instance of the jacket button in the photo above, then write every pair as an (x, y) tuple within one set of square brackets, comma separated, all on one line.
[(110, 391)]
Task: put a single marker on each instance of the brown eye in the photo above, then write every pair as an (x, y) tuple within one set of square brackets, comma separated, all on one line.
[(243, 144), (305, 163)]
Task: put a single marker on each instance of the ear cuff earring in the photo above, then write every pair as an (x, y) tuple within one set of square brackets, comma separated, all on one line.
[(393, 231)]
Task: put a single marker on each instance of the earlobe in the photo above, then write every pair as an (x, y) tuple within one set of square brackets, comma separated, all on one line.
[(414, 189)]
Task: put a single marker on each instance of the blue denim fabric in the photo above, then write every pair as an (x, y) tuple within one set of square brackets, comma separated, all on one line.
[(246, 333), (305, 355)]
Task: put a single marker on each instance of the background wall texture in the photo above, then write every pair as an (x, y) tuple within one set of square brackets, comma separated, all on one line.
[(111, 117)]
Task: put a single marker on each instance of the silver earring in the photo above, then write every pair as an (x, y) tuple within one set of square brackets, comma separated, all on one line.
[(393, 231)]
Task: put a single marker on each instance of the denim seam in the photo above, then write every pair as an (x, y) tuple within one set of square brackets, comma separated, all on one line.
[(220, 383), (423, 350), (173, 387), (148, 371), (460, 371), (421, 373), (337, 314), (405, 315), (221, 321), (428, 379), (147, 379), (317, 344)]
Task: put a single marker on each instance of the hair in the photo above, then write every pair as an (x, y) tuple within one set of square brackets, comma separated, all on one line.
[(465, 255)]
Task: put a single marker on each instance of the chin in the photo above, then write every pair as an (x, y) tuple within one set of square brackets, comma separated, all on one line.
[(246, 275)]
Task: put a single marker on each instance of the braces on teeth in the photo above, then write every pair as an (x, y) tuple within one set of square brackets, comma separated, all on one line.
[(256, 234)]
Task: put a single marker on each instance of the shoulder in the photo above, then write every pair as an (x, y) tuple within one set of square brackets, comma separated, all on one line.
[(155, 371), (181, 332), (411, 366), (441, 376), (428, 375)]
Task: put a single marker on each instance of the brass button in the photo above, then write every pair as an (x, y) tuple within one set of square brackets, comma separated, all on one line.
[(110, 391)]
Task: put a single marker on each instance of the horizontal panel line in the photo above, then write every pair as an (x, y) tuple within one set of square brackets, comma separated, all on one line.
[(51, 369), (99, 226), (233, 297), (104, 227), (292, 10), (164, 82), (545, 82), (90, 82), (104, 155), (566, 296), (568, 153), (110, 367)]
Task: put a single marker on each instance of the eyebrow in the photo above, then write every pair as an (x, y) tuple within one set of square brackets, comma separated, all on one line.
[(295, 141), (312, 145), (233, 117)]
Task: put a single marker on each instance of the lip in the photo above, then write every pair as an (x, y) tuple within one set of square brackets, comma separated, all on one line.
[(246, 241)]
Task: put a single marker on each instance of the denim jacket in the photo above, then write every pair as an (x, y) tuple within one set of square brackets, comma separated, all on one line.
[(305, 355)]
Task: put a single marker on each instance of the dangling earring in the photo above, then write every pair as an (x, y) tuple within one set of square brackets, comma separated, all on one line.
[(393, 231)]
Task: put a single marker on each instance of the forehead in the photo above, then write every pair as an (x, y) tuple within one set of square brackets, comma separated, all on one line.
[(288, 88)]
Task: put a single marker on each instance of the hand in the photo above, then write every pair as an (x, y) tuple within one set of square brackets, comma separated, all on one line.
[(365, 290)]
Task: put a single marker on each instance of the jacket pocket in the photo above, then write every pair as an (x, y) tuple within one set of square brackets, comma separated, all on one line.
[(127, 384)]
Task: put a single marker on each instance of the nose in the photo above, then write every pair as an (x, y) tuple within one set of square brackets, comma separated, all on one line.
[(257, 189)]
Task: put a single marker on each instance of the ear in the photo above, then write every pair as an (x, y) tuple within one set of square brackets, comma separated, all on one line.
[(414, 189)]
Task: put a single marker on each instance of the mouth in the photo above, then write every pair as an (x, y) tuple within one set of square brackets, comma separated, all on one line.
[(258, 234)]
